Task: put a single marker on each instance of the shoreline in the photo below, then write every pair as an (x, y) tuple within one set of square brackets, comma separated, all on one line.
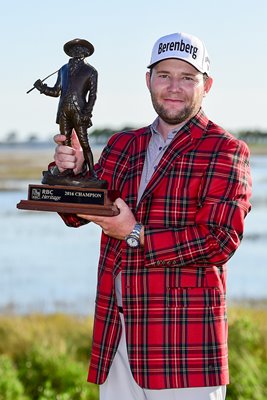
[(19, 168), (13, 309)]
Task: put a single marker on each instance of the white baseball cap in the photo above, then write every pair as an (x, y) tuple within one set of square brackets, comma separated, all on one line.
[(183, 47)]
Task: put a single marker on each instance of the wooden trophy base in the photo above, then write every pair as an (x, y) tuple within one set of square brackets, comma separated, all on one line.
[(70, 200)]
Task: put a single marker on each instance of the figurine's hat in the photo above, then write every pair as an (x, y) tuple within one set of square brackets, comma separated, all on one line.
[(85, 47)]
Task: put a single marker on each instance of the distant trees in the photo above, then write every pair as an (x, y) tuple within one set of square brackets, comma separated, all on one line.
[(253, 136), (33, 138), (98, 136), (256, 136), (12, 137), (101, 136)]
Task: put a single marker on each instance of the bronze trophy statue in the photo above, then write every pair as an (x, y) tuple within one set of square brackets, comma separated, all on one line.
[(76, 80), (63, 191)]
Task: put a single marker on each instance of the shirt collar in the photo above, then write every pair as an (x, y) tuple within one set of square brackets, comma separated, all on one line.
[(198, 125), (171, 134)]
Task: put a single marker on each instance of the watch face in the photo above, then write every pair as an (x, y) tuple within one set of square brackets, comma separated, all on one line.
[(132, 241)]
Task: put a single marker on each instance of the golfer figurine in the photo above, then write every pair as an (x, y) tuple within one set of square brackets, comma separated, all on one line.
[(77, 87)]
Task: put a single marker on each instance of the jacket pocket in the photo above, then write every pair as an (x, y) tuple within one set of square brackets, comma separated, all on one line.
[(194, 297)]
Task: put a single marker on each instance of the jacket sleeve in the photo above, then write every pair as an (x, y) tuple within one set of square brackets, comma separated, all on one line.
[(219, 221), (107, 168)]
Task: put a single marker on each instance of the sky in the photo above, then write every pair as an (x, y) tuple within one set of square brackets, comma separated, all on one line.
[(123, 33)]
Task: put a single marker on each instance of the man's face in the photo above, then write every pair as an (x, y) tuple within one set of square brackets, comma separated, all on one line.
[(177, 90)]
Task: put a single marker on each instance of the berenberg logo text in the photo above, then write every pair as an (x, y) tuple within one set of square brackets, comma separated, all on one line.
[(178, 46)]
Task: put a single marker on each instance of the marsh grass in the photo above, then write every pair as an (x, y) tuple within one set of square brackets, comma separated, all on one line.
[(45, 357), (19, 165), (248, 354), (28, 164)]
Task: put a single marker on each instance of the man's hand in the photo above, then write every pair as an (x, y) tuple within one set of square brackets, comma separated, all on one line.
[(119, 226), (68, 157)]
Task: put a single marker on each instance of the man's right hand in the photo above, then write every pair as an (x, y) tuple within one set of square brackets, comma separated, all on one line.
[(67, 157)]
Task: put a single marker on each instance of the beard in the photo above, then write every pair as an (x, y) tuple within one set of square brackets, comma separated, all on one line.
[(172, 117)]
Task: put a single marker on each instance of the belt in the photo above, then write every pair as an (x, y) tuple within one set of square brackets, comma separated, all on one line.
[(120, 309)]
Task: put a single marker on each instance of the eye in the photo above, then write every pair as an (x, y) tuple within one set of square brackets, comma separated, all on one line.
[(163, 76), (188, 78)]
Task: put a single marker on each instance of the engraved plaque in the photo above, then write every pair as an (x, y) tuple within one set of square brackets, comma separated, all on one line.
[(70, 199)]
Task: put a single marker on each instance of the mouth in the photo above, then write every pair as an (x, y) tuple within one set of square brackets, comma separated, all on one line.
[(171, 100), (174, 102)]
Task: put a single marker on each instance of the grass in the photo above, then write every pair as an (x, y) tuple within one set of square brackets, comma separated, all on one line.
[(258, 149), (255, 312), (26, 165), (19, 165), (45, 357)]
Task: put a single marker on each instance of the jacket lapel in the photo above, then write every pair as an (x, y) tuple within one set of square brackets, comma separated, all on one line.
[(138, 159), (185, 141)]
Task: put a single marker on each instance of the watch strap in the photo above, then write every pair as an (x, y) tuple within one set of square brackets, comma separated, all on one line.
[(136, 232)]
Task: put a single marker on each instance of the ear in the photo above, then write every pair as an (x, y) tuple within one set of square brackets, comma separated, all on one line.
[(148, 80), (207, 85)]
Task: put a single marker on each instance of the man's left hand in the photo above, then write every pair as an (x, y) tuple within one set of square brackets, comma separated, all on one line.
[(117, 227)]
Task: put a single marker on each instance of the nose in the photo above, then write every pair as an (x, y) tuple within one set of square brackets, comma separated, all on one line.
[(175, 85)]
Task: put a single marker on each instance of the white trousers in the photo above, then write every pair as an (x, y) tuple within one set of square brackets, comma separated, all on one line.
[(120, 384)]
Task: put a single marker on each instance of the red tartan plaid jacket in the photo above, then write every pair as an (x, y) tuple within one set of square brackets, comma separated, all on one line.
[(174, 288)]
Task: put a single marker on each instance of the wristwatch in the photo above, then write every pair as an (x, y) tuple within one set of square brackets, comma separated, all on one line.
[(133, 239)]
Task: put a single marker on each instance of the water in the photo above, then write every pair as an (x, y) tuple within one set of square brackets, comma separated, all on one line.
[(44, 265), (48, 267)]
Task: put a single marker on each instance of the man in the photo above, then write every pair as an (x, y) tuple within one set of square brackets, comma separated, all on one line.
[(160, 321), (76, 80)]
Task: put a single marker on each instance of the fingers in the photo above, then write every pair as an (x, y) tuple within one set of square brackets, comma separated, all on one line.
[(93, 218), (64, 156), (84, 216), (101, 219), (118, 226), (59, 139), (61, 148), (75, 143), (120, 203)]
